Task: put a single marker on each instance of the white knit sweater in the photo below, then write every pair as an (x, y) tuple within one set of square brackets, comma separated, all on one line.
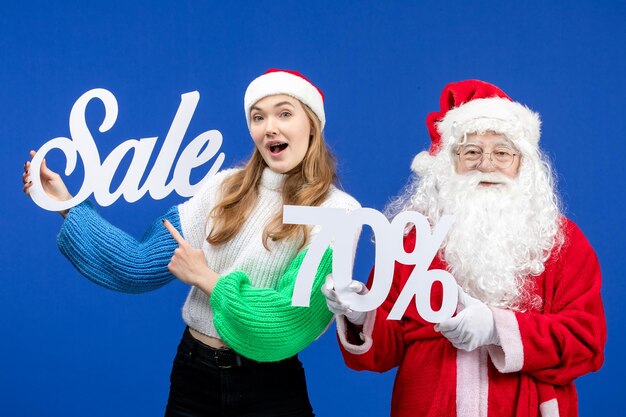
[(245, 251)]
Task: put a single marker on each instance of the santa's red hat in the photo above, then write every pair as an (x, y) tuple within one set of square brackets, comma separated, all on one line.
[(476, 106), (291, 83)]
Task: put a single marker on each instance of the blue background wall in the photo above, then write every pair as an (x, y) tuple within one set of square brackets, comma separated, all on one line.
[(71, 348)]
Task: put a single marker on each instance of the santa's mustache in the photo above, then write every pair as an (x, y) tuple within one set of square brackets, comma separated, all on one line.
[(474, 179)]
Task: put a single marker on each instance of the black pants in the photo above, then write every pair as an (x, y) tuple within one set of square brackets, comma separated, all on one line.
[(218, 382)]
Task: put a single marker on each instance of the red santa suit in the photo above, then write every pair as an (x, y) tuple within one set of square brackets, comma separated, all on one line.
[(531, 374)]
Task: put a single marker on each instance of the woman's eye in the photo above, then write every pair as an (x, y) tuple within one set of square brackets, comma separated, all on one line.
[(285, 114), (257, 117)]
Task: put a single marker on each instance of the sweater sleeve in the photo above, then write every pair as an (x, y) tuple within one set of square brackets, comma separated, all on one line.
[(261, 323), (112, 258), (568, 340)]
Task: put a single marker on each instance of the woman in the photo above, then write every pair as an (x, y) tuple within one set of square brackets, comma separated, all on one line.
[(238, 355)]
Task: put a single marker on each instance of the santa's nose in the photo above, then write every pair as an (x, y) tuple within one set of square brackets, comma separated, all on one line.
[(486, 164)]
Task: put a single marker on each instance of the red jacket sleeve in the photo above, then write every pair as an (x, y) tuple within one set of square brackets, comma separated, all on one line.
[(566, 340), (384, 340)]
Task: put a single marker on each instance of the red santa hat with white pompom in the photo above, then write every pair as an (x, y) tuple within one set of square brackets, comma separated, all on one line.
[(289, 82), (476, 106)]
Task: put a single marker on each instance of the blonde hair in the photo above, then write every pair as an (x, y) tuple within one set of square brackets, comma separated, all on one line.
[(307, 184)]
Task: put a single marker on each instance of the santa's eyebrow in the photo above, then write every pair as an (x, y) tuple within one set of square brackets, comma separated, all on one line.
[(506, 143)]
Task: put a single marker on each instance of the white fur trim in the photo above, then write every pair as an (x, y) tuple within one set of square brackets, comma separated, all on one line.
[(509, 357), (472, 383), (514, 120), (366, 334), (422, 163), (284, 83), (549, 408)]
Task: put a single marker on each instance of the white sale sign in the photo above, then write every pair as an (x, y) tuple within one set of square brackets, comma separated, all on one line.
[(98, 174)]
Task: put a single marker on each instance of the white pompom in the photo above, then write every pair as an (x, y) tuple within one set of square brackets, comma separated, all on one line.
[(422, 163)]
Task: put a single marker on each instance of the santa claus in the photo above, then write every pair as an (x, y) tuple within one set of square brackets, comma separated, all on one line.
[(530, 318)]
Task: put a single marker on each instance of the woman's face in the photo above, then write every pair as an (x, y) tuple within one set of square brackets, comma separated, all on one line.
[(281, 130)]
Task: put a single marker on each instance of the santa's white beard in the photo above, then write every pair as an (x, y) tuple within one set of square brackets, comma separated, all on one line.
[(502, 234), (493, 248)]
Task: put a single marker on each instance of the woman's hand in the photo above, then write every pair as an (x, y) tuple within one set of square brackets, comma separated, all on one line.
[(189, 264), (51, 182)]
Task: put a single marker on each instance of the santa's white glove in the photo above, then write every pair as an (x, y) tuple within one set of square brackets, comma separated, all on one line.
[(472, 327), (341, 307)]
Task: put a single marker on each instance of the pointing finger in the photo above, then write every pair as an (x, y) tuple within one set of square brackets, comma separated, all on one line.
[(177, 236)]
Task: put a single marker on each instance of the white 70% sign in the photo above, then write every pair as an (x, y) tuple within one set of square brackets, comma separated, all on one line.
[(340, 226)]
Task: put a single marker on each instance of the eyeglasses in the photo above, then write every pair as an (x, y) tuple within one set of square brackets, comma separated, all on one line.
[(471, 156)]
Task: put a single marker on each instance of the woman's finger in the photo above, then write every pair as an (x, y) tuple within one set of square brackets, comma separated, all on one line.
[(44, 168), (177, 236)]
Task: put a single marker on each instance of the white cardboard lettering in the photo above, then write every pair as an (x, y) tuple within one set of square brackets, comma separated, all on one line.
[(338, 227), (98, 175)]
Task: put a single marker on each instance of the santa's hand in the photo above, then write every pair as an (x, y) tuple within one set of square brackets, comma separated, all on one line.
[(472, 327), (340, 307)]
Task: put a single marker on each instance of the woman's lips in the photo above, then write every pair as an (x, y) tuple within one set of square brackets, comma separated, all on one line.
[(276, 148)]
